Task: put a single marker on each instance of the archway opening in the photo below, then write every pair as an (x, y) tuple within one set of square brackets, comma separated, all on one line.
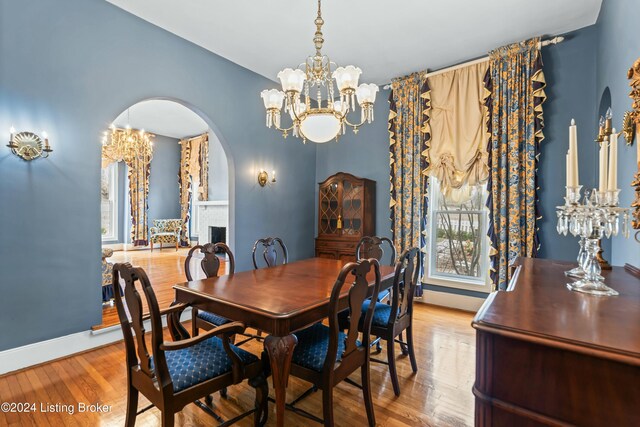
[(165, 185)]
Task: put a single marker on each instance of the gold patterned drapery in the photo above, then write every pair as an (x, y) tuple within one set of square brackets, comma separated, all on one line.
[(139, 165), (409, 136), (139, 171), (194, 174), (457, 154), (515, 82)]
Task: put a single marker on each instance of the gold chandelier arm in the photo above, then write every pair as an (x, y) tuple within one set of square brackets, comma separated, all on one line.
[(353, 125), (290, 128)]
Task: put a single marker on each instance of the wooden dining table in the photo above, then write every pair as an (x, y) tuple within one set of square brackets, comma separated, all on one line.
[(277, 300)]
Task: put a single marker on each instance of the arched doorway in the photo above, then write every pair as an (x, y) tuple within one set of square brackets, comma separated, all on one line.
[(177, 173)]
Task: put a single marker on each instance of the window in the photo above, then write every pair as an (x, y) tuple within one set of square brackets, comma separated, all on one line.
[(109, 202), (458, 245)]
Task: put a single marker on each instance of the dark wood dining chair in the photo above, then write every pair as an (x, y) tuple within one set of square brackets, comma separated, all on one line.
[(391, 320), (177, 373), (325, 356), (210, 265), (372, 247), (269, 251)]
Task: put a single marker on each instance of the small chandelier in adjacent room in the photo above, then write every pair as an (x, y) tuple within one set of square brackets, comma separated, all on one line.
[(323, 117), (126, 144)]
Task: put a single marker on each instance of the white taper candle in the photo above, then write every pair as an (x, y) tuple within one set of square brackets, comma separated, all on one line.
[(573, 153), (612, 180)]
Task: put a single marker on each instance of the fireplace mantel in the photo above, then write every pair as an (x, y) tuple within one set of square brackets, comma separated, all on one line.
[(212, 203), (207, 214)]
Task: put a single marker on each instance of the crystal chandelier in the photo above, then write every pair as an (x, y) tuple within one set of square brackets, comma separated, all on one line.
[(126, 145), (324, 117)]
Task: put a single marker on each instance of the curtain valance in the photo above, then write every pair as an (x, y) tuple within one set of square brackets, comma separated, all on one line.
[(458, 151)]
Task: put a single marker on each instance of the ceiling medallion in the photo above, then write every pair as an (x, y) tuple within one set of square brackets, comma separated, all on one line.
[(324, 117)]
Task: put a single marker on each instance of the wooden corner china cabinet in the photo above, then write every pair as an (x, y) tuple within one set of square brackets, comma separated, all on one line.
[(346, 212)]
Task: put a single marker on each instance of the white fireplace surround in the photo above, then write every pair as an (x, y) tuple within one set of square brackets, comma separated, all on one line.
[(210, 214)]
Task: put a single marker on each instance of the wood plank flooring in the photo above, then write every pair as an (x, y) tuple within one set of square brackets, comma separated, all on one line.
[(164, 267), (438, 395)]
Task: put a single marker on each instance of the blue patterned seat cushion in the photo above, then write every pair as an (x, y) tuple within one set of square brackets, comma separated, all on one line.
[(381, 312), (383, 294), (201, 362), (313, 344), (214, 319)]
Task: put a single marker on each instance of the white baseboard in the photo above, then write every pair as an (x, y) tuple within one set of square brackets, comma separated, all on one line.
[(56, 348), (460, 302)]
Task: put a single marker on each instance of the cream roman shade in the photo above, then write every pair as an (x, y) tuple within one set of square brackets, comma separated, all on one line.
[(458, 151)]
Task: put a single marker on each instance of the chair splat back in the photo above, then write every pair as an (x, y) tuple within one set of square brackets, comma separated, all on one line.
[(371, 247), (210, 263), (270, 252), (358, 292), (404, 282), (130, 312)]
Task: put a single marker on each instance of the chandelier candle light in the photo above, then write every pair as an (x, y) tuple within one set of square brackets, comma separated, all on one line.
[(127, 144), (594, 217), (325, 117)]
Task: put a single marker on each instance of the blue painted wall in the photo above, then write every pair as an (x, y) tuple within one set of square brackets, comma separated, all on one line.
[(618, 48), (164, 194), (218, 171), (569, 69), (58, 76)]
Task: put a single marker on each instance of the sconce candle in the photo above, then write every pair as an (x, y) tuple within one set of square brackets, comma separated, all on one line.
[(47, 147)]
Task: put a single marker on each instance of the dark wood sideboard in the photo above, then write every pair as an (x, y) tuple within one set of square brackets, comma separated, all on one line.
[(346, 213), (549, 356)]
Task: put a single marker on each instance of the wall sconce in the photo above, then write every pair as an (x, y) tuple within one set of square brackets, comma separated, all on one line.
[(263, 177), (629, 127), (29, 145)]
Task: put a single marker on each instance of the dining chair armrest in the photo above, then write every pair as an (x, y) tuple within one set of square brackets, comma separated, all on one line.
[(172, 309), (225, 331)]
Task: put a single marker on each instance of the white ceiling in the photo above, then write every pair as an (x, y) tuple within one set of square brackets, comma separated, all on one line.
[(162, 117), (385, 38)]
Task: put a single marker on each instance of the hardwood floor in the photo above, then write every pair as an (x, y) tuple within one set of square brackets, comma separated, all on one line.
[(164, 267), (438, 395)]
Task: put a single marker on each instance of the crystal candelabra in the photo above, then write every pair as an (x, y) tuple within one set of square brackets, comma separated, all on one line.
[(595, 217)]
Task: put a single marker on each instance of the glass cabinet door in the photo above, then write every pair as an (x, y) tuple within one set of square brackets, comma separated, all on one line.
[(329, 209), (352, 195)]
